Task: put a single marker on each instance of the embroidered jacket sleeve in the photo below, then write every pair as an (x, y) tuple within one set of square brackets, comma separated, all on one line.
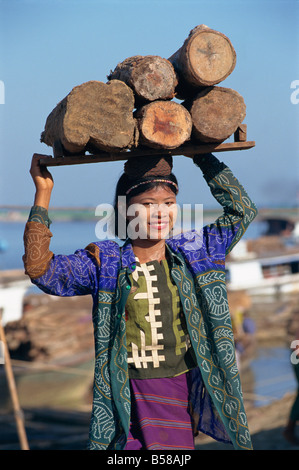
[(238, 209), (61, 275)]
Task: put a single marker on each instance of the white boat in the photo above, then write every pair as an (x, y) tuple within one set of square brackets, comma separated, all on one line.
[(266, 275), (268, 264), (13, 287)]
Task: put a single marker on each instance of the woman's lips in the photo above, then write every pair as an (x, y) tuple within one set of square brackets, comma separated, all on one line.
[(159, 225)]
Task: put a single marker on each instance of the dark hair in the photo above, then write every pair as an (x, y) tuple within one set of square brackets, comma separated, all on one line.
[(150, 182)]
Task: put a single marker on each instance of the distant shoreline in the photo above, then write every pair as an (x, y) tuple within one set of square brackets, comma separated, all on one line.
[(67, 214), (87, 214)]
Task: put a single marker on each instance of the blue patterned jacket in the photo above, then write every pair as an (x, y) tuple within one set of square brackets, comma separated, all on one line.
[(197, 267)]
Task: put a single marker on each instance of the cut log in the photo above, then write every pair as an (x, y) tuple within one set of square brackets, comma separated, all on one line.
[(150, 77), (163, 124), (216, 113), (95, 115), (206, 58)]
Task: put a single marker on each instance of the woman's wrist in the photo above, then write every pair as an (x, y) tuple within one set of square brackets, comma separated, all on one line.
[(209, 165)]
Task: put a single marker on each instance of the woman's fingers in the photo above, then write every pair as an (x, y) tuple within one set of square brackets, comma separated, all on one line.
[(40, 174)]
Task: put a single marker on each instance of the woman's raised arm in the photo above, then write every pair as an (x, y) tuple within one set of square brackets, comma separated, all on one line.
[(238, 208), (63, 275)]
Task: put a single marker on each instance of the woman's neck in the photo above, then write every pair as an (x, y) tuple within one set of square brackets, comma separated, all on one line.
[(149, 250)]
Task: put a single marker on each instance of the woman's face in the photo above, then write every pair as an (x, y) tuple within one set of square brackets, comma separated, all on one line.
[(152, 214)]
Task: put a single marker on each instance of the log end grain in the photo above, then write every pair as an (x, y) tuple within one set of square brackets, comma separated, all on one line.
[(206, 58), (216, 114), (212, 57), (93, 114), (164, 124)]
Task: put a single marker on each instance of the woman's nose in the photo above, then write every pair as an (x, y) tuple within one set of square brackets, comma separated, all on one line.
[(159, 213)]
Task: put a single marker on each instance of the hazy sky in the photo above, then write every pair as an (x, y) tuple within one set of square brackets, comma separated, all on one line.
[(47, 47)]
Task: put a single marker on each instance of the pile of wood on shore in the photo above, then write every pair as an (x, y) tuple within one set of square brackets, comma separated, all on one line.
[(139, 105), (52, 330)]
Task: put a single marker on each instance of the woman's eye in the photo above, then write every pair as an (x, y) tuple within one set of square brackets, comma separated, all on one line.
[(153, 204)]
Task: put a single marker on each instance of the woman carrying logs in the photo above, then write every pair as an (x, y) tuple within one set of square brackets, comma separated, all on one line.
[(165, 365)]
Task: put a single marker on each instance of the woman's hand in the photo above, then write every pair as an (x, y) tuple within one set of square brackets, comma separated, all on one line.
[(43, 182)]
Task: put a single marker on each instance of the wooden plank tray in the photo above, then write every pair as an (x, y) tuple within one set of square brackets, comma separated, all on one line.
[(187, 149)]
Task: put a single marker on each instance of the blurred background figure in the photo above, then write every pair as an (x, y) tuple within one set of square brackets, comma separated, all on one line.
[(244, 327)]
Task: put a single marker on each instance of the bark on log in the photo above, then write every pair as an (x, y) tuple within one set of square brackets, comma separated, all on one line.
[(150, 77), (95, 115), (163, 124), (206, 58), (216, 113)]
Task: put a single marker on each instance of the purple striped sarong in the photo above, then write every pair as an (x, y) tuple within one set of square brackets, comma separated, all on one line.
[(160, 417)]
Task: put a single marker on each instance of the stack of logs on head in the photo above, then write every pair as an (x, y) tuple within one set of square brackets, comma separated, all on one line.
[(136, 107)]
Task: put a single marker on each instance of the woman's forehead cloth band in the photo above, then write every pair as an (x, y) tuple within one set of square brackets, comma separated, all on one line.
[(152, 181)]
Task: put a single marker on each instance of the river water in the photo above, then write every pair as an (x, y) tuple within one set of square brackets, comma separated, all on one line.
[(270, 375)]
